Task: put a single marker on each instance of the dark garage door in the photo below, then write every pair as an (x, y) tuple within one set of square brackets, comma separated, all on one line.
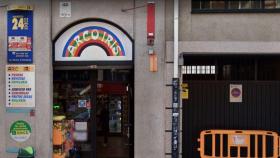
[(208, 107)]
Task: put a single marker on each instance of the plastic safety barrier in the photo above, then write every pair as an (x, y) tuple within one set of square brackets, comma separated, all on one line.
[(238, 144)]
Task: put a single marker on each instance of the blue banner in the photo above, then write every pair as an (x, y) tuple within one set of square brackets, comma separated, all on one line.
[(20, 36), (175, 118)]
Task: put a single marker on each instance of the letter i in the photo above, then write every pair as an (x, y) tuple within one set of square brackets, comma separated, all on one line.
[(103, 38)]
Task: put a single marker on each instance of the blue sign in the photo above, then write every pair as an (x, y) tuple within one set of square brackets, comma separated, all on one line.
[(20, 36), (82, 103), (175, 118)]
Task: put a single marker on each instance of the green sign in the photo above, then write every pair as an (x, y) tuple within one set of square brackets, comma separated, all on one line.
[(20, 131)]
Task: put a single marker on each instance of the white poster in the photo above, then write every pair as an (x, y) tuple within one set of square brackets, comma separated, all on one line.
[(81, 126), (80, 136), (20, 86), (65, 9), (235, 93)]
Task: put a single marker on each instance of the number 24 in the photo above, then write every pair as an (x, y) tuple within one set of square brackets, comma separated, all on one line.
[(18, 23)]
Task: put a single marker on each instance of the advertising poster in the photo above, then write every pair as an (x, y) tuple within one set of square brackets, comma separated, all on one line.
[(20, 86), (20, 131), (235, 93), (20, 36)]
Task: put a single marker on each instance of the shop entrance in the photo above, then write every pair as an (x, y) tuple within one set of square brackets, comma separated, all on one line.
[(93, 113), (93, 91)]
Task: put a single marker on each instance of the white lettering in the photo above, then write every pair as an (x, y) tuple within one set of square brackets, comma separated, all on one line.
[(103, 38), (117, 50), (78, 41), (94, 34), (113, 45), (86, 36), (71, 49), (109, 40)]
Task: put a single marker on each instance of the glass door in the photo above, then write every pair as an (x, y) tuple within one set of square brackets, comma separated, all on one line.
[(113, 114), (92, 119), (73, 114)]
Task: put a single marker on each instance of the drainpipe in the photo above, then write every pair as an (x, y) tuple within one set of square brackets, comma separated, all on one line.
[(176, 37), (175, 88)]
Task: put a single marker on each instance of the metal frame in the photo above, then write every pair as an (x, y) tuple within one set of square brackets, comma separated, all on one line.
[(227, 10), (238, 139), (93, 83)]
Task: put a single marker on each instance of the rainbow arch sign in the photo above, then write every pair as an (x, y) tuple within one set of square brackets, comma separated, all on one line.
[(93, 41)]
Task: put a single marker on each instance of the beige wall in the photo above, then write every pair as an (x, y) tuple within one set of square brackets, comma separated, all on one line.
[(149, 87), (223, 26), (41, 124), (107, 9)]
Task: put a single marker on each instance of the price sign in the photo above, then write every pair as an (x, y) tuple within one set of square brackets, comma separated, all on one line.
[(20, 34), (20, 86)]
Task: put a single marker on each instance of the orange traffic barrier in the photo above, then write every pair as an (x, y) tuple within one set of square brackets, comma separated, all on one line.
[(238, 144)]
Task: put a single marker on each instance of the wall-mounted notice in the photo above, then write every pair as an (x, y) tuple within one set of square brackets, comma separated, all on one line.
[(175, 118), (20, 34), (20, 86), (185, 91), (20, 131), (65, 9), (235, 93)]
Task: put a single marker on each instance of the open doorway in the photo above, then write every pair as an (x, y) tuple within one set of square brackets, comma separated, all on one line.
[(93, 90), (93, 113)]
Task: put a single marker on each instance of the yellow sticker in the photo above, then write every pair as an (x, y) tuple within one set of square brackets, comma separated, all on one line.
[(20, 7), (185, 91)]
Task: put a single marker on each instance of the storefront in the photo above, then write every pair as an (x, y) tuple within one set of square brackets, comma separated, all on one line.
[(93, 91), (84, 56)]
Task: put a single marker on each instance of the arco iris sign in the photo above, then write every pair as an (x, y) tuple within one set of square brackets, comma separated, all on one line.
[(94, 35), (20, 131), (93, 41)]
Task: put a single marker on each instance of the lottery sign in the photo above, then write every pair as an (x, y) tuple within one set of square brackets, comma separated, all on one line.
[(20, 35)]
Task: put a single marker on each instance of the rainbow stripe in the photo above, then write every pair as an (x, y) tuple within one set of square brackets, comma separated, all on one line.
[(93, 35)]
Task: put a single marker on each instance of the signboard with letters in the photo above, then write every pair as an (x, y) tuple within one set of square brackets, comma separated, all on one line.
[(20, 86), (175, 118), (20, 35), (93, 41), (65, 9), (20, 131)]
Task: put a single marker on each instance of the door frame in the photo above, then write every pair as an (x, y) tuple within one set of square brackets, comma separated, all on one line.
[(93, 82), (95, 65)]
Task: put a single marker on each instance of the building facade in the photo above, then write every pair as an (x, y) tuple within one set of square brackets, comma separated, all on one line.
[(203, 30)]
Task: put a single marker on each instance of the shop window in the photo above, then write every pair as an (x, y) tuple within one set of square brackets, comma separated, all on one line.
[(234, 5)]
